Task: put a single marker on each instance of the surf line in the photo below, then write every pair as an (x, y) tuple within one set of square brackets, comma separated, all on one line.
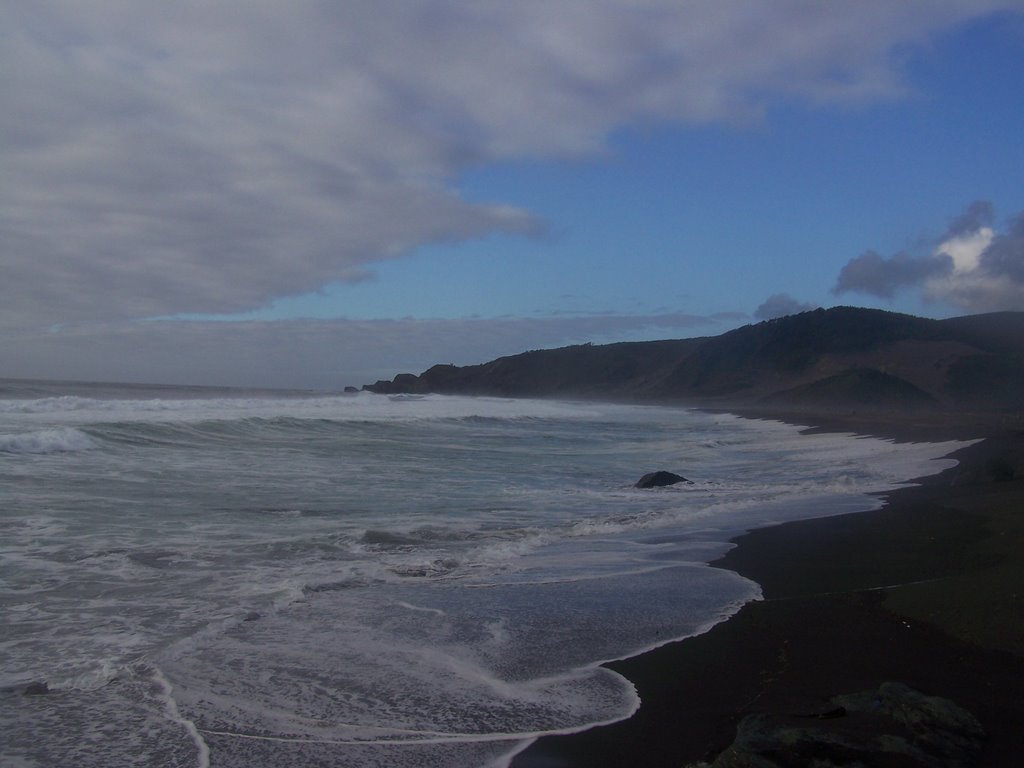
[(431, 737), (175, 715)]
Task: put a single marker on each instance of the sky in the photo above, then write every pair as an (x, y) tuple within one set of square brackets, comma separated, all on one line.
[(319, 194)]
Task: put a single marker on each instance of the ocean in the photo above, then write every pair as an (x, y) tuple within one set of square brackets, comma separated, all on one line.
[(198, 577)]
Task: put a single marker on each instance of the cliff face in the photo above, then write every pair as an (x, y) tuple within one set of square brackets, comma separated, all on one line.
[(845, 355)]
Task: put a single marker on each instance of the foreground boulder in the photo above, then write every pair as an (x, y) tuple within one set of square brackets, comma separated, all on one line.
[(893, 726), (659, 479)]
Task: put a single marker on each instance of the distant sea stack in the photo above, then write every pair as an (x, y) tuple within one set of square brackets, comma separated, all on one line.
[(863, 359)]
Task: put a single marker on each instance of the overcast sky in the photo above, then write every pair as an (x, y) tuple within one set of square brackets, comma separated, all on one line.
[(320, 193)]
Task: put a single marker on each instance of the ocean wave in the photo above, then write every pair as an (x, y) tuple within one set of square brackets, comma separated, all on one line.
[(59, 440), (364, 406), (47, 405)]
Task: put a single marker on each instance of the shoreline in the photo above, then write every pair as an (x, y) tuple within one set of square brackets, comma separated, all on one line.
[(925, 591)]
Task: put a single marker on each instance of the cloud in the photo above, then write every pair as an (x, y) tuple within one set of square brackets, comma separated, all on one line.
[(324, 354), (972, 267), (874, 274), (780, 305), (989, 270), (207, 157), (979, 215), (1004, 257)]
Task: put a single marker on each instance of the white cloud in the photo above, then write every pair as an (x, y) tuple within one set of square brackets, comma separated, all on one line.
[(163, 158), (965, 249), (967, 282)]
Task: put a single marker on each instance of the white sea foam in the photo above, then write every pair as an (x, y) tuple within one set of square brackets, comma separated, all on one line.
[(167, 691), (98, 675), (423, 582)]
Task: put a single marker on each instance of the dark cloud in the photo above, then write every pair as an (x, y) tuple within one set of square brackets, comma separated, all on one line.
[(1004, 257), (209, 156), (874, 274), (980, 213), (780, 305)]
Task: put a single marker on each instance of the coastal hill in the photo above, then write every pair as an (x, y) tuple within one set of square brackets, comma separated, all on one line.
[(863, 358)]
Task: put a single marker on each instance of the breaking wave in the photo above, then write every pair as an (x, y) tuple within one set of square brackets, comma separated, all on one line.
[(60, 440)]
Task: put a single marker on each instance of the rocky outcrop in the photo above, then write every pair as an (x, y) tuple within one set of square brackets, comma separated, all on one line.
[(403, 383), (893, 726)]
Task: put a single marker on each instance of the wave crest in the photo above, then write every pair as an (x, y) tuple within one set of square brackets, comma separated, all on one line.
[(60, 440)]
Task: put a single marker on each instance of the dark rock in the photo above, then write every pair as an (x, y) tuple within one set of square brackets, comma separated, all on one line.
[(829, 715), (37, 688), (403, 383), (893, 726), (251, 616), (936, 725), (659, 479), (351, 390)]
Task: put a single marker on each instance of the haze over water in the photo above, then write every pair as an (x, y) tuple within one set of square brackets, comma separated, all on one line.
[(255, 579)]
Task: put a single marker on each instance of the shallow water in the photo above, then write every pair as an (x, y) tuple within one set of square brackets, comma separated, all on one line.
[(274, 579)]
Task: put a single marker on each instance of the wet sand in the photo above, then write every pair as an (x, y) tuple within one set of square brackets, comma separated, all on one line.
[(927, 591)]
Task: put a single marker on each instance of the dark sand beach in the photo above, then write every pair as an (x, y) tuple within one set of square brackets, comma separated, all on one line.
[(927, 591)]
